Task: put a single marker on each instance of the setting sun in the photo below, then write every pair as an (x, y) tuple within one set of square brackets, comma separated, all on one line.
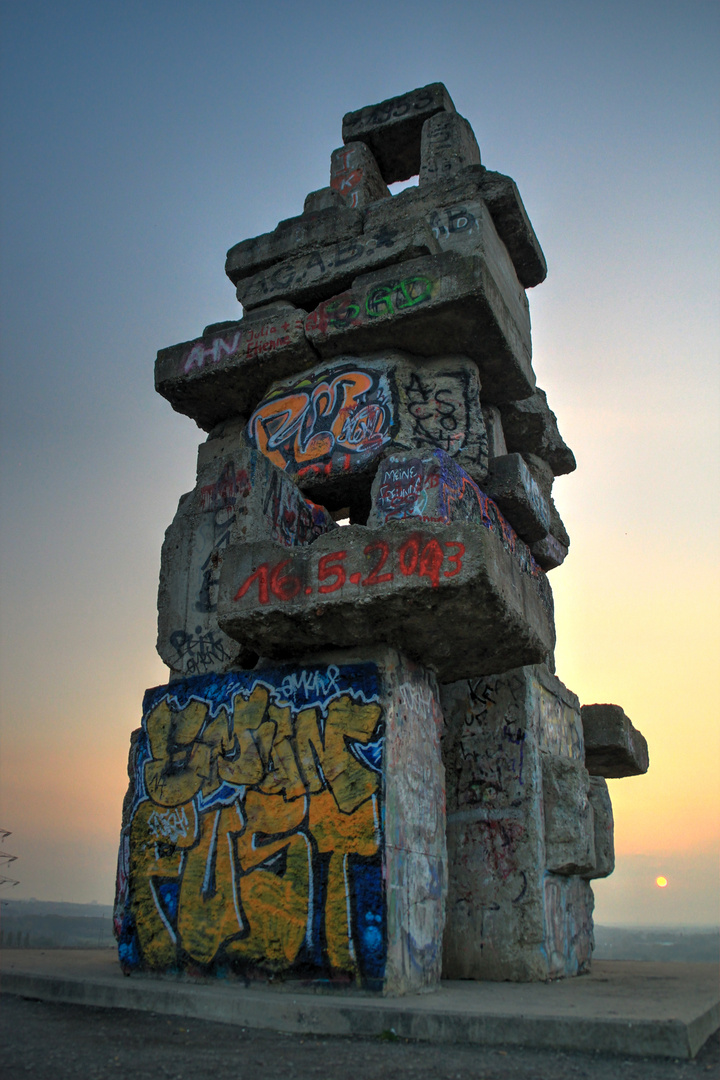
[(661, 882)]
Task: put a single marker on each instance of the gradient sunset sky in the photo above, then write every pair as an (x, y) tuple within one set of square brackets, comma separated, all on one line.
[(139, 142)]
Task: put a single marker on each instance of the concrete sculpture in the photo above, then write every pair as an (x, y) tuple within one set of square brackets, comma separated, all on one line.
[(362, 768)]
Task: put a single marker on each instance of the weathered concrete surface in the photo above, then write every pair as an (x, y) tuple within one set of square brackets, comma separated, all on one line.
[(549, 552), (530, 427), (461, 598), (613, 746), (431, 306), (311, 798), (354, 173), (328, 427), (315, 275), (472, 183), (393, 128), (604, 828), (510, 739), (510, 484), (319, 228), (644, 1010), (569, 822), (447, 145), (326, 198), (239, 496), (497, 446), (226, 371)]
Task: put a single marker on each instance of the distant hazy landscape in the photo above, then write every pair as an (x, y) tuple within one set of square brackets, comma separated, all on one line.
[(37, 924)]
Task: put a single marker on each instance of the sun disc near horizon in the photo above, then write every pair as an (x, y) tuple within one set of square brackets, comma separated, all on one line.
[(661, 882)]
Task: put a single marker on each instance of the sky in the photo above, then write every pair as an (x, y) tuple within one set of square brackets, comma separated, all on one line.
[(139, 141)]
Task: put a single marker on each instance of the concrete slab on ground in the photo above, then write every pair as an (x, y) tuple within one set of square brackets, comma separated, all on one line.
[(632, 1008)]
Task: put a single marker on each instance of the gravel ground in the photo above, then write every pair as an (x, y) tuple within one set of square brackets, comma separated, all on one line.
[(48, 1041)]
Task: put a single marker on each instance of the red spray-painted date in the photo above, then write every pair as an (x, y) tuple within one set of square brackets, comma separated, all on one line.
[(416, 555)]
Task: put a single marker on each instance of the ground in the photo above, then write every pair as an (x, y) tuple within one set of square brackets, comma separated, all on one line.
[(48, 1041)]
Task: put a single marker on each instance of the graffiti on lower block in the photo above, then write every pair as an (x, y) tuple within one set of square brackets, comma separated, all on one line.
[(254, 840), (357, 308)]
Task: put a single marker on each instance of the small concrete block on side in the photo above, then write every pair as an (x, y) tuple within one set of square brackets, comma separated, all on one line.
[(323, 199), (549, 552), (328, 427), (569, 825), (604, 828), (613, 746), (510, 484), (239, 496), (530, 427), (354, 174), (392, 129), (311, 798), (333, 224), (569, 904), (447, 145), (432, 306), (317, 274), (225, 373), (458, 597)]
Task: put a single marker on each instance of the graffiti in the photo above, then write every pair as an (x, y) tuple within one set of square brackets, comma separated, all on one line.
[(221, 495), (344, 177), (394, 109), (243, 344), (199, 652), (569, 934), (292, 518), (404, 492), (256, 831), (341, 416), (387, 299), (489, 767), (447, 224), (560, 726), (310, 268), (439, 404), (415, 556)]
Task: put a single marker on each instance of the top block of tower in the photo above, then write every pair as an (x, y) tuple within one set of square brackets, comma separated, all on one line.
[(392, 129)]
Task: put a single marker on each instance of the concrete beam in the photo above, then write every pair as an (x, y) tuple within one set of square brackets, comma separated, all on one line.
[(463, 599), (432, 306), (613, 746), (392, 128)]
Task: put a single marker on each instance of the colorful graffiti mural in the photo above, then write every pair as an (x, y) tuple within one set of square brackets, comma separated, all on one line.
[(341, 416), (353, 308), (254, 826)]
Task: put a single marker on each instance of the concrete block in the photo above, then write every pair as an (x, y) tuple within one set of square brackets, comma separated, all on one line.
[(530, 426), (239, 496), (355, 175), (392, 129), (472, 183), (604, 826), (289, 821), (317, 274), (324, 199), (549, 552), (569, 904), (328, 427), (226, 371), (432, 306), (497, 446), (503, 922), (429, 486), (613, 746), (331, 225), (510, 484), (461, 598), (569, 825), (447, 145)]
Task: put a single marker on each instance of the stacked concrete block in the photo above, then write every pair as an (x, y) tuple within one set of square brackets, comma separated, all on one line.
[(288, 820), (286, 808)]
